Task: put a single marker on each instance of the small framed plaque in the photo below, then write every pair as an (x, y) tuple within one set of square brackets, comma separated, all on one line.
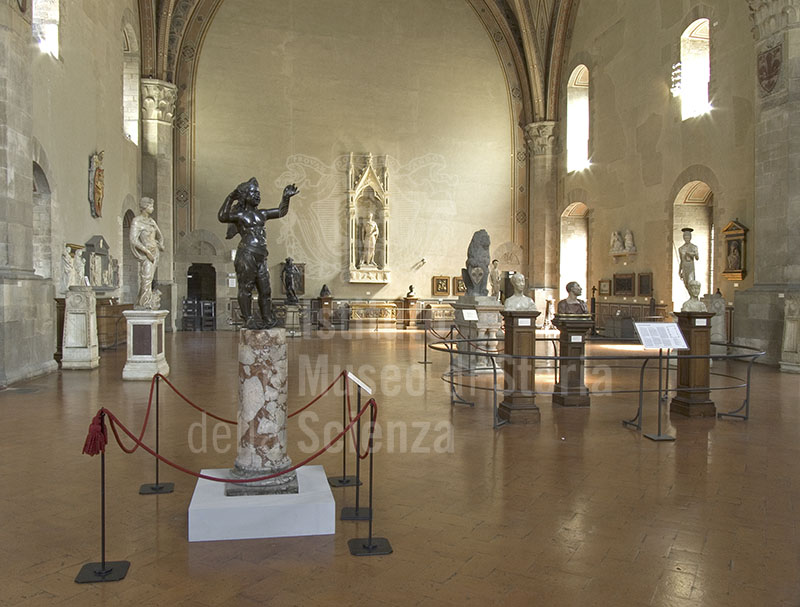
[(645, 280), (440, 286), (624, 285), (604, 287), (459, 288)]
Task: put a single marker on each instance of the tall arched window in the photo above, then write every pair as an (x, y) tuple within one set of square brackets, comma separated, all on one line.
[(694, 208), (578, 119), (695, 70), (130, 83), (45, 15)]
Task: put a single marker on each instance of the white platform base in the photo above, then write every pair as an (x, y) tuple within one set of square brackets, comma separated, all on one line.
[(213, 516)]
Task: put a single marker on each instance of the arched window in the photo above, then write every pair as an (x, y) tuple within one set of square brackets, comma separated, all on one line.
[(693, 208), (45, 25), (694, 70), (578, 119), (574, 251), (130, 83)]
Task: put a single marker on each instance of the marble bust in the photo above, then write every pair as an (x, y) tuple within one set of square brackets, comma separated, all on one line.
[(693, 304), (572, 305), (519, 302)]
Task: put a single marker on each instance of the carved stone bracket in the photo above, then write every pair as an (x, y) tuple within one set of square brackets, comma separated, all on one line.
[(158, 100), (542, 137), (773, 16)]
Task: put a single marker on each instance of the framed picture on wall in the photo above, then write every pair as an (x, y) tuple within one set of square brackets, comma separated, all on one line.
[(645, 284), (604, 287), (440, 286), (624, 284), (459, 288)]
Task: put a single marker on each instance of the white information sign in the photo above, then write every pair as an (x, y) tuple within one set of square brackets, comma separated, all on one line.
[(470, 314), (523, 322), (364, 386), (700, 322), (576, 339), (656, 335)]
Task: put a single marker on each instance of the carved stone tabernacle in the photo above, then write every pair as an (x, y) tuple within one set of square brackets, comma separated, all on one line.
[(368, 213)]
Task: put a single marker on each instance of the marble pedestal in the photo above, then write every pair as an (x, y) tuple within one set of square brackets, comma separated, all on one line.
[(79, 347), (693, 396), (145, 345), (571, 391), (518, 405), (484, 328), (410, 312), (261, 420), (325, 320)]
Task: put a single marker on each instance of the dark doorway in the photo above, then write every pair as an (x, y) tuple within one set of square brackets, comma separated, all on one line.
[(202, 282)]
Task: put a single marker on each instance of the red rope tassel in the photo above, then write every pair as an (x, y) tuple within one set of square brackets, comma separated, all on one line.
[(98, 437)]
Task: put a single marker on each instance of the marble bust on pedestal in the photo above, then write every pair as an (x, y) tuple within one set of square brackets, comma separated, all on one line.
[(572, 305), (693, 304), (519, 301)]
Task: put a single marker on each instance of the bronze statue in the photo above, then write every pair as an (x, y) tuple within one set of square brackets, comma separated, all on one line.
[(290, 275), (251, 255), (572, 305)]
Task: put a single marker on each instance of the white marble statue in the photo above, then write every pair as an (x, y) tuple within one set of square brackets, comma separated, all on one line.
[(78, 269), (572, 305), (369, 238), (147, 242), (519, 301), (617, 245), (688, 253), (693, 304), (67, 269), (630, 247), (95, 269), (495, 279)]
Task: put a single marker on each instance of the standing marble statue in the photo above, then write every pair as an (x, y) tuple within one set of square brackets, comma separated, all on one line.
[(369, 239), (572, 305), (476, 274), (78, 268), (688, 253), (617, 246), (519, 301), (252, 271), (495, 279), (67, 269), (290, 275), (147, 242), (630, 247)]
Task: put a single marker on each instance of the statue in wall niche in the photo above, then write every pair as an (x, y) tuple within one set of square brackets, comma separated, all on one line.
[(687, 253), (290, 274), (246, 219), (78, 268), (629, 246), (734, 256), (369, 239), (476, 274), (572, 305), (693, 304), (519, 301), (617, 245), (496, 279), (325, 291), (115, 273), (95, 269), (146, 242)]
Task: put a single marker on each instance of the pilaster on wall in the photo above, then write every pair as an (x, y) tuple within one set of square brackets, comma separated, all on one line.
[(759, 315), (158, 112), (543, 145)]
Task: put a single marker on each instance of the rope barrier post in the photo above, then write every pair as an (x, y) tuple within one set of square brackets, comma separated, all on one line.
[(344, 480), (660, 436), (357, 514), (425, 360), (370, 546), (104, 571), (156, 488)]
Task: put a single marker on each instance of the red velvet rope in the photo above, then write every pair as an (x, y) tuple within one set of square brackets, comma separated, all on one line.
[(438, 336), (114, 421)]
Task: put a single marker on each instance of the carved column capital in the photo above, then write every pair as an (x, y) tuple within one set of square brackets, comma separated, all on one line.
[(158, 100), (773, 16), (542, 137)]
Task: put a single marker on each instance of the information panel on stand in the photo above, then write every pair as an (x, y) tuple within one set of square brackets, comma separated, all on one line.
[(660, 335)]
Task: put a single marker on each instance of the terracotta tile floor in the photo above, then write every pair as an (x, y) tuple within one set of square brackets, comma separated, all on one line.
[(574, 511)]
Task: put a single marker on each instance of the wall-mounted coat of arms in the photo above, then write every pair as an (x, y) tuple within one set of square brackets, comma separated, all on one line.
[(769, 67)]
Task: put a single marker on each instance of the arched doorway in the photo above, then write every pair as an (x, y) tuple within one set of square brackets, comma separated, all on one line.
[(201, 282), (693, 209), (574, 247), (42, 247), (130, 266)]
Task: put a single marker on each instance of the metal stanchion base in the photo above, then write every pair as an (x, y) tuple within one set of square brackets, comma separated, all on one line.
[(356, 514), (364, 546), (93, 572), (152, 489), (344, 481), (659, 437), (424, 362), (629, 423)]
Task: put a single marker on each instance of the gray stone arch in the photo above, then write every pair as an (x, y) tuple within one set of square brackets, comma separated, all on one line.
[(44, 203), (588, 60), (131, 77), (574, 240), (129, 280), (203, 246)]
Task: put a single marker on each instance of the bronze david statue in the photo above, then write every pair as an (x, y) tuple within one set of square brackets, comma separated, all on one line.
[(240, 210)]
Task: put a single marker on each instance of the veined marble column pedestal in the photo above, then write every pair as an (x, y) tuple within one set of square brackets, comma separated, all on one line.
[(262, 414), (80, 348), (145, 345)]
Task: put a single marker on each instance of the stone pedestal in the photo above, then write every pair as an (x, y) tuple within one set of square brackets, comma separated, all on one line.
[(79, 346), (790, 347), (484, 328), (518, 406), (262, 414), (410, 312), (571, 391), (325, 320), (692, 396), (145, 344), (292, 324)]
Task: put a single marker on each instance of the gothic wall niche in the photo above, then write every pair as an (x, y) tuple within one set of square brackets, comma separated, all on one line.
[(368, 213)]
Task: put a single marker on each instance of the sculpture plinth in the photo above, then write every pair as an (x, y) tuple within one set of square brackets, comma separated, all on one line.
[(262, 415), (325, 320), (518, 404), (692, 398), (571, 391), (477, 318), (410, 312), (146, 355), (80, 348)]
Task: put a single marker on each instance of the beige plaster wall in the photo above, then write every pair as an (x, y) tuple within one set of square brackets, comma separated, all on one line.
[(641, 151), (77, 110), (285, 89)]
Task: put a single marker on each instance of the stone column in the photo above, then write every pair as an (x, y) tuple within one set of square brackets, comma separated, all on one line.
[(543, 143), (158, 110), (262, 414), (27, 309), (759, 311)]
